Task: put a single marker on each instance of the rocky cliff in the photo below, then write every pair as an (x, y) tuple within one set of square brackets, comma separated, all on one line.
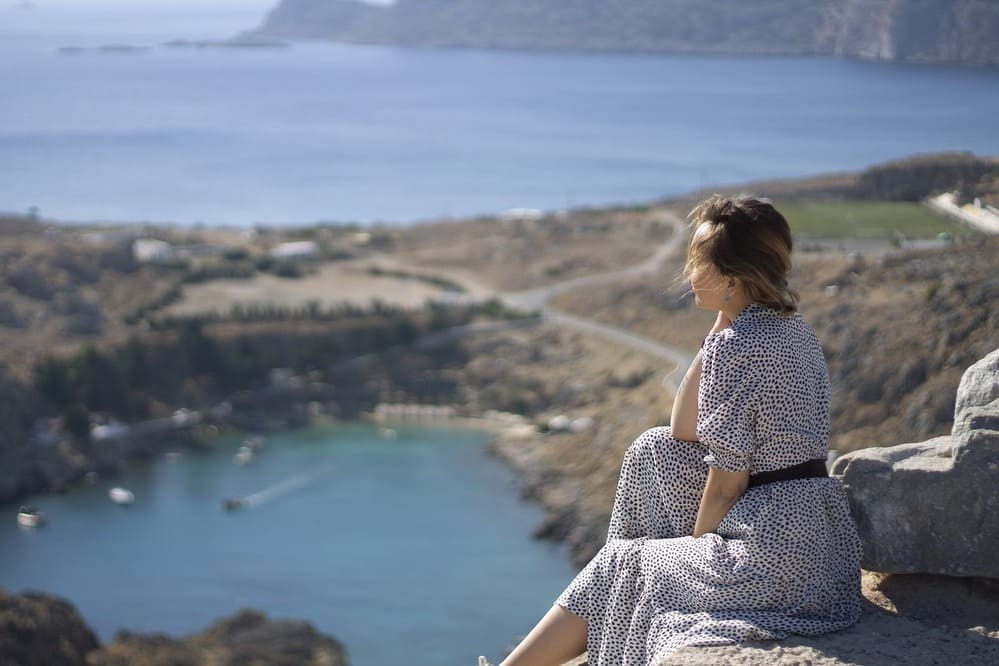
[(924, 31), (43, 630)]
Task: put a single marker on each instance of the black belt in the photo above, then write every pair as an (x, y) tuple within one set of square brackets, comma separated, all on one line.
[(806, 470)]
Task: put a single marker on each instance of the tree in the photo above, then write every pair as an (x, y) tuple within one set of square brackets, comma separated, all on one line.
[(76, 422)]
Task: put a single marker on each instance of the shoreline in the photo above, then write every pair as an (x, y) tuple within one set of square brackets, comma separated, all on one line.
[(203, 438)]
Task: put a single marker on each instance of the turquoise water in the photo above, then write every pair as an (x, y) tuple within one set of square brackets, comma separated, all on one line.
[(411, 551), (338, 132)]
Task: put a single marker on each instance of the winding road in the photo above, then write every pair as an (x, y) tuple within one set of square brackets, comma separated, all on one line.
[(537, 299)]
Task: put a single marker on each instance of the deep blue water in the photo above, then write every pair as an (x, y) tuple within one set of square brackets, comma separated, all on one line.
[(411, 551), (336, 132)]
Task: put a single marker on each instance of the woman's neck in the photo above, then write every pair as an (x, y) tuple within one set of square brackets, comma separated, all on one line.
[(736, 305)]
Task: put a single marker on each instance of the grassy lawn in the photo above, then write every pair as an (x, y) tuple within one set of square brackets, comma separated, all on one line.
[(864, 219)]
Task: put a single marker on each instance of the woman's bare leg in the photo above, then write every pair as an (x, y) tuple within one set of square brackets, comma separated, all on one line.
[(558, 637)]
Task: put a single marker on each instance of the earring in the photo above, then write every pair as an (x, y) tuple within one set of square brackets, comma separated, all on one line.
[(728, 296)]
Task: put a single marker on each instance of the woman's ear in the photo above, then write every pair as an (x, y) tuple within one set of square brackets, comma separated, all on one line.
[(733, 286)]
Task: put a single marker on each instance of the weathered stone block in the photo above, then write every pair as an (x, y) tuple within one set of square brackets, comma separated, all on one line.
[(933, 507)]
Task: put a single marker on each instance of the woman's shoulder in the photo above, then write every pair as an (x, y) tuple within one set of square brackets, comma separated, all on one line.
[(727, 346), (758, 330)]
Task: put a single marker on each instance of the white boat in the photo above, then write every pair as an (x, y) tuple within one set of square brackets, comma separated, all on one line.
[(29, 516), (121, 495), (243, 456)]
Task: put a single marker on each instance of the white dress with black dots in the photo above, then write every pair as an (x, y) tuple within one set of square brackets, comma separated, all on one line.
[(786, 557)]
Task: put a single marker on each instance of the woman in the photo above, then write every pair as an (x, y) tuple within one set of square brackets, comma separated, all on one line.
[(725, 526)]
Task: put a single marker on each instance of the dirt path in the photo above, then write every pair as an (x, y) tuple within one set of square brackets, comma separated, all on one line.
[(534, 299), (537, 299)]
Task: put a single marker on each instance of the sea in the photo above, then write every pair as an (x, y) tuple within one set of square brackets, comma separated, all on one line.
[(413, 548), (324, 132)]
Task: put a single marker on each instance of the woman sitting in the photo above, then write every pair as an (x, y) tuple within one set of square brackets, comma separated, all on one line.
[(725, 526)]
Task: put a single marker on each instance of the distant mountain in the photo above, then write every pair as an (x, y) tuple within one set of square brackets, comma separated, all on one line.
[(925, 31)]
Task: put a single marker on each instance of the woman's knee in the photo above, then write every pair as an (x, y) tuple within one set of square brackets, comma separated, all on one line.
[(652, 440), (658, 449)]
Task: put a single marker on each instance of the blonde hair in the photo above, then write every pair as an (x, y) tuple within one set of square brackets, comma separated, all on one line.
[(746, 238)]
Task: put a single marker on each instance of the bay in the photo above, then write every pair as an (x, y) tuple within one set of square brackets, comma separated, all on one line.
[(414, 550), (334, 132)]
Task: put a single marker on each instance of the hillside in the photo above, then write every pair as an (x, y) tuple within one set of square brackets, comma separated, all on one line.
[(897, 330), (70, 293), (922, 31)]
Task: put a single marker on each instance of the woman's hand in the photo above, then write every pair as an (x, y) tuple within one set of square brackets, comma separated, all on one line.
[(721, 491)]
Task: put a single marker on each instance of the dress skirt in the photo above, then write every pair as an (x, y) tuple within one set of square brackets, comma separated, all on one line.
[(785, 559)]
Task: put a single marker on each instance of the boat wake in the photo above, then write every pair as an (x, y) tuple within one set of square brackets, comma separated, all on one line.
[(278, 489)]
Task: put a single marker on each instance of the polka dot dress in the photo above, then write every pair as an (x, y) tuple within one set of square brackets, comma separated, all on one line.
[(786, 557)]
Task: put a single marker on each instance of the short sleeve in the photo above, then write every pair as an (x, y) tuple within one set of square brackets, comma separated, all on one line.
[(726, 412)]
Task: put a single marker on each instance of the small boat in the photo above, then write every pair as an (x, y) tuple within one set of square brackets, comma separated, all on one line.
[(29, 516), (243, 456), (233, 503), (121, 496)]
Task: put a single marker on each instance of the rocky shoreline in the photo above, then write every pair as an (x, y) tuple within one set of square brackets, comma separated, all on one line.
[(44, 630), (57, 468)]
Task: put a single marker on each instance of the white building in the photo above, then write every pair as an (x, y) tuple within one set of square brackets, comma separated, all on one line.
[(295, 250), (152, 250), (522, 215)]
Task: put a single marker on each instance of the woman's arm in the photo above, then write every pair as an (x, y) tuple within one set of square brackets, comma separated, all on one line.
[(683, 418), (721, 491)]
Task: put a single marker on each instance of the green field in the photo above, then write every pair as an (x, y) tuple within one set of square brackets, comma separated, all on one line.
[(864, 219)]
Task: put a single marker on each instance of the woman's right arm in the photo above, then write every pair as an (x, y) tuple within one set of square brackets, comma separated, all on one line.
[(683, 418)]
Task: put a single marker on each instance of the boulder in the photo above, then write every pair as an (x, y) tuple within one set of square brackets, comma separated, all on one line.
[(247, 638), (42, 630), (931, 507)]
